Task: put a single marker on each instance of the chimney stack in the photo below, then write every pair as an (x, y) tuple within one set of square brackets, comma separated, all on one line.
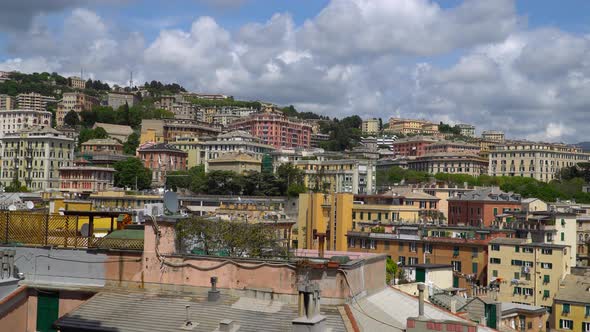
[(310, 319), (421, 288), (213, 294)]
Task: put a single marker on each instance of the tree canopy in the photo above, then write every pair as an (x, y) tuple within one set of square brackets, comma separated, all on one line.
[(131, 172)]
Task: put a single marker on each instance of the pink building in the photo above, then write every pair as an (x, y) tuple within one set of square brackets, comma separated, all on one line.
[(83, 178), (162, 158), (412, 146), (276, 129)]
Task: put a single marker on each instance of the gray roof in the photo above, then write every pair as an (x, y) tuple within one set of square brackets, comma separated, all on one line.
[(574, 289), (444, 300), (127, 312), (509, 307), (490, 194)]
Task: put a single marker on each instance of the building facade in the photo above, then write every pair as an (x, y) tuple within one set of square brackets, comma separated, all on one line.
[(7, 102), (276, 129), (166, 130), (540, 161), (346, 175), (12, 121), (411, 126), (118, 99), (370, 126), (480, 207), (34, 156), (493, 135), (237, 162), (74, 101), (450, 162), (33, 101), (161, 159), (466, 130), (84, 179), (571, 307), (452, 146), (76, 82), (412, 146)]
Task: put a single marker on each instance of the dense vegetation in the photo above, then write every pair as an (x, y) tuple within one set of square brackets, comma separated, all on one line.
[(131, 173), (569, 185), (344, 134), (229, 102), (291, 112), (288, 181)]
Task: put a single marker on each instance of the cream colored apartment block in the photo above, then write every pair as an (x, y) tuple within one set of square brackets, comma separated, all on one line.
[(532, 159), (370, 126), (526, 272)]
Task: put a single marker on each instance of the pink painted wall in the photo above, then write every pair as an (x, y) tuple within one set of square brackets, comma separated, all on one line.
[(15, 318)]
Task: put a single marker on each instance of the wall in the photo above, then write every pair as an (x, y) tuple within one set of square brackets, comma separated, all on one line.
[(13, 311)]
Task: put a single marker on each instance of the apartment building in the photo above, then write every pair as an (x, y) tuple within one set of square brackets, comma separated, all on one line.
[(345, 175), (76, 82), (318, 138), (466, 130), (493, 135), (118, 99), (481, 206), (571, 306), (74, 101), (465, 248), (370, 126), (160, 159), (84, 179), (537, 160), (184, 110), (238, 162), (399, 205), (103, 152), (275, 129), (526, 272), (166, 130), (33, 101), (450, 162), (411, 126), (451, 146), (7, 102), (412, 146), (33, 156), (14, 120), (224, 116)]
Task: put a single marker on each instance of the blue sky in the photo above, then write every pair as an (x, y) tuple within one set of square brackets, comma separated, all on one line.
[(520, 66)]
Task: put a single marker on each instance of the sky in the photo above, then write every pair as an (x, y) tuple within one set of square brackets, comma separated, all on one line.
[(518, 66)]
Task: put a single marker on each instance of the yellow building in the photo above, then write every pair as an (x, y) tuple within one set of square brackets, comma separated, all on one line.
[(571, 308), (370, 126), (120, 200), (339, 213), (526, 272)]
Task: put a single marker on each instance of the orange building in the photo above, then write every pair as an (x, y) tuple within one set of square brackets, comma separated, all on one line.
[(162, 158), (480, 207)]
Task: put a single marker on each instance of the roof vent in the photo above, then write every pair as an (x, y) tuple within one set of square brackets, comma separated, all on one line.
[(188, 325), (227, 325), (213, 294)]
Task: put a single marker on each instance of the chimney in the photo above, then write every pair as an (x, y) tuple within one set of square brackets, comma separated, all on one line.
[(421, 288), (213, 294), (188, 325), (310, 319), (228, 325), (454, 306)]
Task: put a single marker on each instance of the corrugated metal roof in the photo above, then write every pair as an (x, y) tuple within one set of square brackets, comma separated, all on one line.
[(135, 312)]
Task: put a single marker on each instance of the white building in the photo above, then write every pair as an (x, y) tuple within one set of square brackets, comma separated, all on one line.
[(14, 120)]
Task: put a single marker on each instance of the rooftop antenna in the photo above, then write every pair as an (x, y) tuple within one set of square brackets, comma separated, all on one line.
[(131, 79), (81, 73)]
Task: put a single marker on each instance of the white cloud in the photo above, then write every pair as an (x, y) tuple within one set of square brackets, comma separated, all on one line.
[(366, 57)]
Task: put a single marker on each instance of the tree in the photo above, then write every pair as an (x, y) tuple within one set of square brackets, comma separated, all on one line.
[(16, 187), (132, 143), (72, 119), (131, 173), (391, 270)]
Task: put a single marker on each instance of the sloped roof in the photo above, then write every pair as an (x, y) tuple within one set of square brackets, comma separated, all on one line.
[(487, 194), (236, 133), (130, 312), (235, 157), (574, 289), (114, 129), (161, 147)]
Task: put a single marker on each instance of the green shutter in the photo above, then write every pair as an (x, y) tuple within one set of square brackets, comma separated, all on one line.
[(420, 275), (474, 267), (562, 236), (47, 311), (561, 323)]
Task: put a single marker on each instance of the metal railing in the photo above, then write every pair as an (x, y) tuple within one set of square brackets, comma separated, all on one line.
[(40, 229)]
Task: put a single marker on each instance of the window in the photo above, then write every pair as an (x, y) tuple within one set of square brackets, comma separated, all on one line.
[(527, 291), (456, 265), (353, 215), (546, 265), (546, 279), (527, 250), (428, 248), (362, 215), (565, 308), (412, 246), (495, 273), (587, 310), (516, 275), (517, 291), (585, 326), (456, 251), (412, 260), (495, 261), (495, 247), (473, 252), (516, 262), (495, 211), (351, 242), (546, 294), (474, 268), (562, 236), (547, 251), (401, 246), (368, 215), (516, 248), (566, 324), (372, 244)]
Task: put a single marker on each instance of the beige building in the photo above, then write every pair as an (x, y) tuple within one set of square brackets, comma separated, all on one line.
[(7, 102), (452, 146), (119, 132), (118, 99), (466, 129), (83, 178), (450, 162), (74, 101), (238, 162), (571, 309), (370, 126), (541, 161), (12, 121), (411, 126), (345, 175), (526, 272), (493, 135), (533, 205), (34, 101), (76, 82), (34, 156)]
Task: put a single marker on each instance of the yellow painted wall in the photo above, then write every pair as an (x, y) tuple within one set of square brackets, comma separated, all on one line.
[(577, 314)]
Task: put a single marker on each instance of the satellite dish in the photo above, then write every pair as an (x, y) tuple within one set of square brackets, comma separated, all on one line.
[(12, 207), (171, 201), (30, 205), (84, 230)]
